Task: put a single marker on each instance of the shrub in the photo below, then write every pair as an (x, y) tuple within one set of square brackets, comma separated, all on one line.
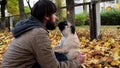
[(81, 19), (110, 17)]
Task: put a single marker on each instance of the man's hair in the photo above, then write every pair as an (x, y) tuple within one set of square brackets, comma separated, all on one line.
[(43, 8)]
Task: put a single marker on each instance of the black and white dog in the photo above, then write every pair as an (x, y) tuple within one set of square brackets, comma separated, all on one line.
[(70, 43)]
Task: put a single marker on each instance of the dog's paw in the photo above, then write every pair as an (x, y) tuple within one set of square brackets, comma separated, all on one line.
[(72, 54), (61, 50)]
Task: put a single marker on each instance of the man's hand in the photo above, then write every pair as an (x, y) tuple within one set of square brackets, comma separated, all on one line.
[(81, 57)]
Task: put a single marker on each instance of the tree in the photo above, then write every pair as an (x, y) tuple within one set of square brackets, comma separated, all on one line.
[(2, 23), (16, 7), (12, 7), (70, 11), (27, 9), (21, 10), (60, 12)]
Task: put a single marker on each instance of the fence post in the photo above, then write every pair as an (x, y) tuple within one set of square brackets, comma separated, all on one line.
[(95, 19), (98, 19)]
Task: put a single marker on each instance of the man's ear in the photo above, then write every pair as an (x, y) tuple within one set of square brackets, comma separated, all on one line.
[(46, 18)]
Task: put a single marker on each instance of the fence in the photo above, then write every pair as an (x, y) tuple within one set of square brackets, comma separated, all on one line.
[(10, 21)]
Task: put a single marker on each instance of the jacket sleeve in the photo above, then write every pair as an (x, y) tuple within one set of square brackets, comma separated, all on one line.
[(45, 55)]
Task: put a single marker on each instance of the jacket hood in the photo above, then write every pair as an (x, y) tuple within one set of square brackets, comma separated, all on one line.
[(26, 25)]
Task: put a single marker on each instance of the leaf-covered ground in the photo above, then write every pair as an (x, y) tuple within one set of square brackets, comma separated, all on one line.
[(101, 53)]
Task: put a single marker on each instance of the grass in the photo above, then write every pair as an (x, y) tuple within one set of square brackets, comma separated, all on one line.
[(102, 27), (83, 27)]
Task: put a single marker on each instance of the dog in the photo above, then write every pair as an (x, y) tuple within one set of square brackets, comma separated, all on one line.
[(70, 43)]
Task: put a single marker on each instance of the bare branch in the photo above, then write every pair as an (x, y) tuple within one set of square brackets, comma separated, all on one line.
[(28, 2)]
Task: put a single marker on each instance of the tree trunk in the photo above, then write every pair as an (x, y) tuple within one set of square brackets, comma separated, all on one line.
[(2, 23), (84, 6), (70, 11), (61, 12), (21, 9)]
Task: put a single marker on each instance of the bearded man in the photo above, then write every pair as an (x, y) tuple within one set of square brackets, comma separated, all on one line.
[(32, 44)]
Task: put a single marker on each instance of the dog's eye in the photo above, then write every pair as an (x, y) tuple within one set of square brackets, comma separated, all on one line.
[(65, 24)]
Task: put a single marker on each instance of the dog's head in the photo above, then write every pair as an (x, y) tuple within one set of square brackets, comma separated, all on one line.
[(66, 28)]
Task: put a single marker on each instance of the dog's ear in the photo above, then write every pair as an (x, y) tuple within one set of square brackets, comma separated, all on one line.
[(72, 29)]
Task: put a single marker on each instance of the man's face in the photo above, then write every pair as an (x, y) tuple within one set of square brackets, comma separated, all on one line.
[(51, 23)]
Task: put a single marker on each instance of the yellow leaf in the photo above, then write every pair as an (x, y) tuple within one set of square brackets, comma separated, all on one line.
[(106, 44), (115, 63), (111, 40), (116, 53), (97, 47)]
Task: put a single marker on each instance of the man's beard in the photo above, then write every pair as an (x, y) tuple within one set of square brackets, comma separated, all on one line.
[(50, 25)]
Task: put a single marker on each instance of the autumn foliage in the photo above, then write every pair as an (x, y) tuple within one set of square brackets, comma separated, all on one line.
[(101, 53)]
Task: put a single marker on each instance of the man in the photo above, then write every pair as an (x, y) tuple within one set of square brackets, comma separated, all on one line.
[(32, 44)]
